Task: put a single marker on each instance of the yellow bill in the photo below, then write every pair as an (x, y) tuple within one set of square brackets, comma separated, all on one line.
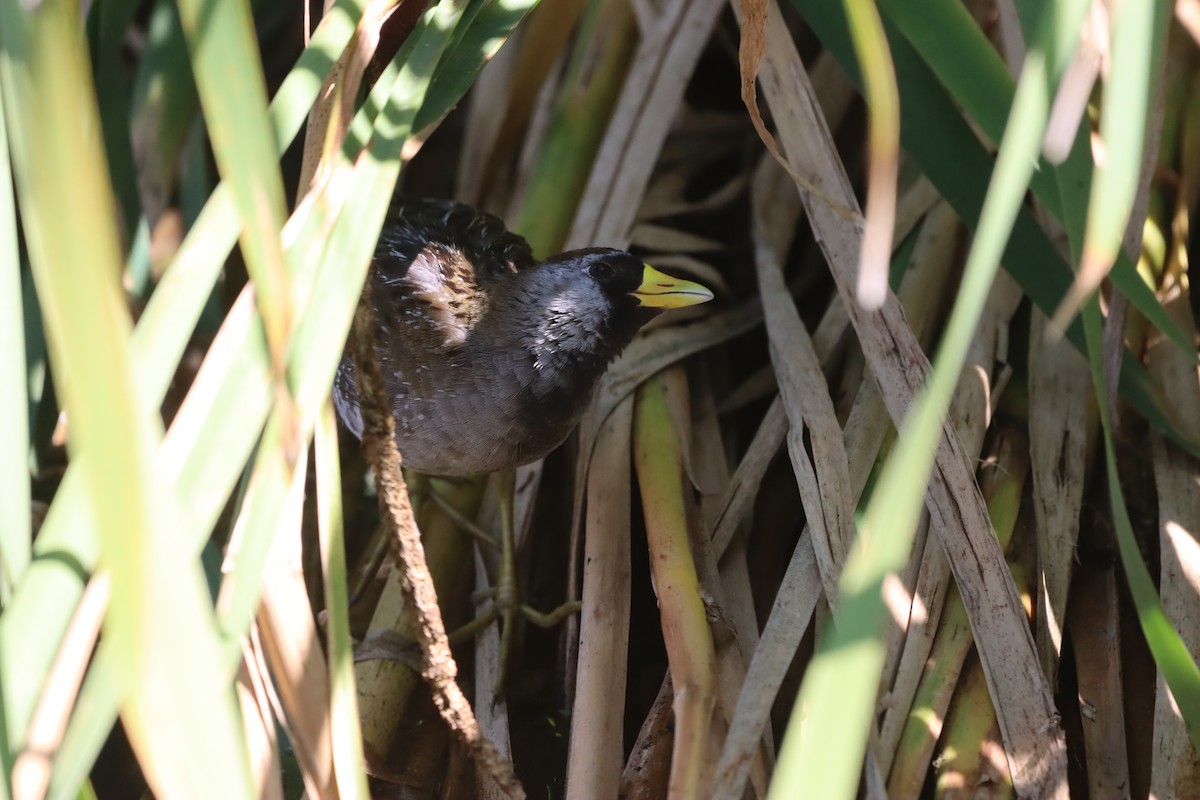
[(658, 290)]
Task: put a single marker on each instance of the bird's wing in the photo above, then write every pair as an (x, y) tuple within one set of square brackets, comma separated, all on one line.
[(484, 242), (433, 265)]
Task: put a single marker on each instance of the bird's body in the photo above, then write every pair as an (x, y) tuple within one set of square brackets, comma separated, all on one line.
[(491, 356)]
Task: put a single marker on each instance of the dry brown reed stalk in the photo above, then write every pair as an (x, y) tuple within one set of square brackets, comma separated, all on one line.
[(1061, 440), (1035, 744), (1176, 763), (595, 757), (648, 770), (911, 746), (864, 430), (291, 646), (1095, 636), (330, 118), (814, 438), (491, 708), (970, 414), (31, 771), (260, 707)]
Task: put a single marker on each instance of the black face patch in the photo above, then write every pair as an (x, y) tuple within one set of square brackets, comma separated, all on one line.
[(617, 272)]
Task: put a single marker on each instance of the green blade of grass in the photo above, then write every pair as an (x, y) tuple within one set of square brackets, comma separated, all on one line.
[(191, 275), (223, 426), (1138, 32), (15, 534), (837, 697), (608, 38), (107, 25), (164, 106), (482, 36), (934, 133), (343, 700), (954, 47), (316, 349), (88, 340), (91, 723), (67, 548), (159, 618), (883, 148), (319, 339), (37, 382), (181, 294), (1170, 653), (233, 92), (1166, 646)]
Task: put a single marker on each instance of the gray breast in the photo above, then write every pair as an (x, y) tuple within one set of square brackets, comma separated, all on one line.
[(491, 415)]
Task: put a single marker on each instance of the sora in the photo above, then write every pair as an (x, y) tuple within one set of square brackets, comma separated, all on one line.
[(489, 355)]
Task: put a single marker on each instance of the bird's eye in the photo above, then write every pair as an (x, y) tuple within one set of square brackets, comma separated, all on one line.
[(602, 271)]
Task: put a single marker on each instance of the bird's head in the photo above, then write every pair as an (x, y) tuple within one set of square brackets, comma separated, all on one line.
[(628, 292), (630, 284), (592, 302)]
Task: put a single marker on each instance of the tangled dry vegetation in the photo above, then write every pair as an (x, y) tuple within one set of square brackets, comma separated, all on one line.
[(714, 495)]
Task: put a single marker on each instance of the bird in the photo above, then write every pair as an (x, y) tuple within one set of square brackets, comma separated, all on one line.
[(489, 355)]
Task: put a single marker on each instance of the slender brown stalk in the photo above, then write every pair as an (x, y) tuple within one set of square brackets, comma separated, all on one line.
[(438, 667)]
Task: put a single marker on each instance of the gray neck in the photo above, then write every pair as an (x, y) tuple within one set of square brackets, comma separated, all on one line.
[(566, 324)]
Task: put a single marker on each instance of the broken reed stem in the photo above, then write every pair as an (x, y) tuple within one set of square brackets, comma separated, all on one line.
[(438, 667)]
